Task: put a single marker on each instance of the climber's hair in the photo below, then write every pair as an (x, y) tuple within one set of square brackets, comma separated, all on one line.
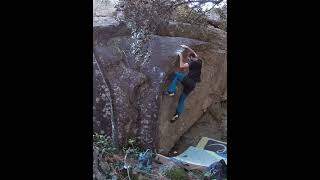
[(192, 55)]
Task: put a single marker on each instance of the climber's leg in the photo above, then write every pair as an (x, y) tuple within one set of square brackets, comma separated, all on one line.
[(181, 103), (177, 77), (180, 106)]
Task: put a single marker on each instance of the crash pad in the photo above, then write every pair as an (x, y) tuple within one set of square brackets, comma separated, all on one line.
[(213, 145)]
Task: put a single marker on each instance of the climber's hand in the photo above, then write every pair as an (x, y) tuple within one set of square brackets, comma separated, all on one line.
[(192, 51), (184, 46)]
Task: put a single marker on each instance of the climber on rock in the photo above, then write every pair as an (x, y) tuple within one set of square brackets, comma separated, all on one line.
[(194, 63)]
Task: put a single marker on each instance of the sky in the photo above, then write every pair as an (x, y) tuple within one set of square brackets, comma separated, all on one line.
[(209, 5)]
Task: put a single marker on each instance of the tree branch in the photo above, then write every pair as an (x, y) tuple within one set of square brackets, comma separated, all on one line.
[(204, 13), (199, 1)]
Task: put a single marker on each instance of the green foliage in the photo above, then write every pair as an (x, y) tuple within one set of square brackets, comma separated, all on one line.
[(186, 14), (117, 167), (131, 150), (104, 144), (131, 141), (197, 174), (176, 174)]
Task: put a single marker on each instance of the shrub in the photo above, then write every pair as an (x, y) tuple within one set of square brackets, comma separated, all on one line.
[(177, 174)]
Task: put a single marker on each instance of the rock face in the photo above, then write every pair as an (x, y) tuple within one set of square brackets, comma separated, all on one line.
[(212, 124), (210, 90), (102, 109), (103, 7), (99, 167), (139, 109), (217, 17)]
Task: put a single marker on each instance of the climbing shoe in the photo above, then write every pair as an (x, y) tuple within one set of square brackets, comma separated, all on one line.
[(167, 93), (175, 117)]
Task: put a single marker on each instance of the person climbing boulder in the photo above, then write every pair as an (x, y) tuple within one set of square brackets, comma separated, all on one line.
[(189, 80)]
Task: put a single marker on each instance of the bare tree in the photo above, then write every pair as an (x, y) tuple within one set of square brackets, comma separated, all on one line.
[(143, 18)]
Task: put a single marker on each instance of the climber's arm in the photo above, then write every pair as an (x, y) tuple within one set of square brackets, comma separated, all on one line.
[(187, 47), (183, 65)]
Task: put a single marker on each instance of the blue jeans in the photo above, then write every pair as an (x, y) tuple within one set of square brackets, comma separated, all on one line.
[(172, 89)]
